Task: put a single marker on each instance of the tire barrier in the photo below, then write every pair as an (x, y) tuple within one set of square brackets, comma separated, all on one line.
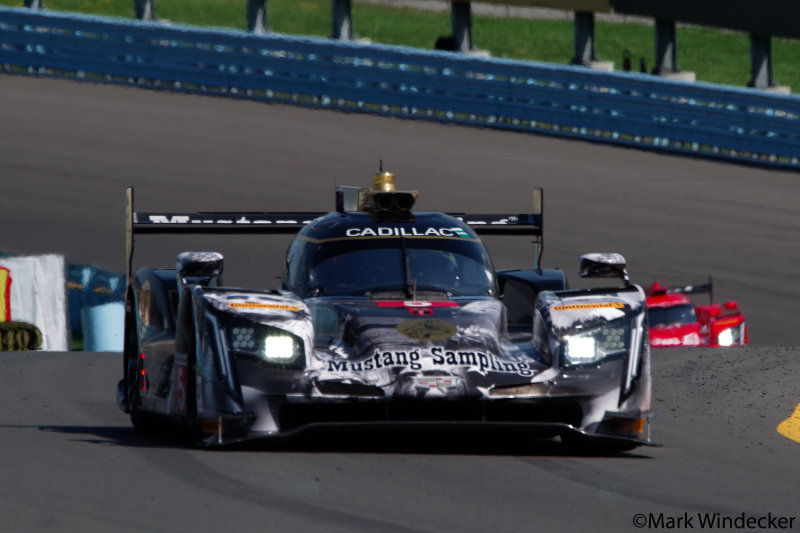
[(18, 336)]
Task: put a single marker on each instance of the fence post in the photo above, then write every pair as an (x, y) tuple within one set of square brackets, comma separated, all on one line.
[(144, 9), (257, 16), (666, 47), (584, 38), (761, 61), (342, 20), (461, 20), (34, 4)]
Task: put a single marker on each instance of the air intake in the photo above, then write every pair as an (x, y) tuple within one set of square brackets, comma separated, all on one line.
[(383, 198)]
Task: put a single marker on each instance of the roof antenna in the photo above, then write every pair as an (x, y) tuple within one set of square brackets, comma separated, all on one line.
[(380, 168)]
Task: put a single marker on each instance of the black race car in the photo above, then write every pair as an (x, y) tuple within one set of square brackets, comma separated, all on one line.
[(386, 318)]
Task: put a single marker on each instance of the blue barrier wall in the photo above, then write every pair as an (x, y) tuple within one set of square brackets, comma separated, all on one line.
[(622, 108)]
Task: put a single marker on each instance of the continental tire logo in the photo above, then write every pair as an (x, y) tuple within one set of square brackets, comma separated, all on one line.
[(583, 307), (256, 305), (18, 336)]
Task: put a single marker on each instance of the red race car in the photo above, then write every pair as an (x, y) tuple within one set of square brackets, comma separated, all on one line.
[(676, 321)]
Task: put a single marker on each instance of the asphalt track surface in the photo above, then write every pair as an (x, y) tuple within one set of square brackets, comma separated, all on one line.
[(71, 462)]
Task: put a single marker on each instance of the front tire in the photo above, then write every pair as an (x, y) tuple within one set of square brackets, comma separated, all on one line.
[(142, 422)]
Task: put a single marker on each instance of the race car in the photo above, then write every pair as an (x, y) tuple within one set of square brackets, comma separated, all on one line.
[(676, 321), (385, 318)]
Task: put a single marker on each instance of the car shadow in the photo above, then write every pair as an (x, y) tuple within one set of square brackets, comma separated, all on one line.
[(355, 441), (123, 436)]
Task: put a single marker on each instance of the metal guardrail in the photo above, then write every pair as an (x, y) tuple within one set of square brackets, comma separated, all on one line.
[(621, 108)]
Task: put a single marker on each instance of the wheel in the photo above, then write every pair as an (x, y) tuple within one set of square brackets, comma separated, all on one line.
[(193, 425), (141, 421)]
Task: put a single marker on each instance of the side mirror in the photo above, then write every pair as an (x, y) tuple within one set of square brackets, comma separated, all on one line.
[(204, 265), (609, 265)]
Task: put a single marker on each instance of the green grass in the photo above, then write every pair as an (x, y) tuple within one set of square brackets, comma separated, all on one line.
[(714, 55)]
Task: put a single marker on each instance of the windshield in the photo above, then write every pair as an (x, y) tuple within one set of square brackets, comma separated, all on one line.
[(677, 314), (360, 267)]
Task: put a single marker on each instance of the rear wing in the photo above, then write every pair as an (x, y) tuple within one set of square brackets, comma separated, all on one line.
[(288, 223)]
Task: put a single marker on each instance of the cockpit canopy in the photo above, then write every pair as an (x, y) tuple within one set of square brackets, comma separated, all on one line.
[(429, 256)]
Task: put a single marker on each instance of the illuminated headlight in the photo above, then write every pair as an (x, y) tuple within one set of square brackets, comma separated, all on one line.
[(596, 344), (579, 349), (279, 348), (733, 336), (269, 344), (725, 337)]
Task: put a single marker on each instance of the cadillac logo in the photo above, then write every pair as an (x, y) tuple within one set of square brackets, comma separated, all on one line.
[(440, 383)]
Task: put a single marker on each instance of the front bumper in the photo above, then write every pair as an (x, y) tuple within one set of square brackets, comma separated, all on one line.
[(289, 417)]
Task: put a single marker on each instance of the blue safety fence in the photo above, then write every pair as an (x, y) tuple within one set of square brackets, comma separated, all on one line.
[(638, 110)]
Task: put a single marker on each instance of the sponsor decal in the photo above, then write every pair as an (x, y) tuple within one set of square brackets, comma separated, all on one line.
[(174, 219), (409, 304), (256, 305), (436, 357), (481, 361), (655, 341), (583, 307), (403, 359), (440, 383), (229, 219), (417, 308), (690, 339), (383, 231), (427, 329)]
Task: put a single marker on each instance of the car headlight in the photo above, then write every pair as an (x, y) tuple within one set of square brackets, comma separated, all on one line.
[(725, 337), (268, 344), (733, 336), (594, 345)]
